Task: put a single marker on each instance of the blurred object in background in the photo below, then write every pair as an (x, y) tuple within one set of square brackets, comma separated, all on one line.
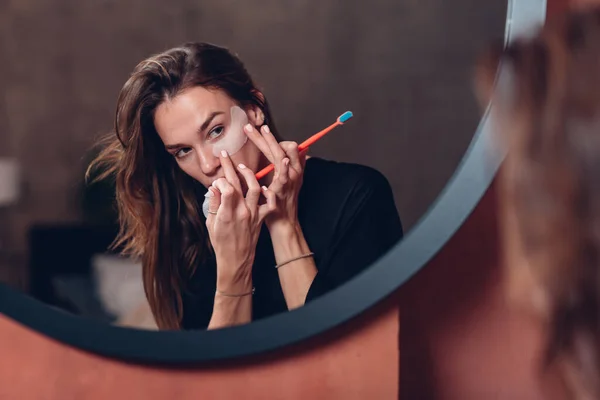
[(9, 181), (121, 292), (9, 196)]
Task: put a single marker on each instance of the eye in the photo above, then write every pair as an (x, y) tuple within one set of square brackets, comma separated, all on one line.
[(216, 132), (182, 152)]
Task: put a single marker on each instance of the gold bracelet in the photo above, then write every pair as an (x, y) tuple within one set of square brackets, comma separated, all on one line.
[(235, 295), (295, 258)]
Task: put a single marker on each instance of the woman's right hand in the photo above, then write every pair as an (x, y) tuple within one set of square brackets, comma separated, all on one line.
[(234, 223)]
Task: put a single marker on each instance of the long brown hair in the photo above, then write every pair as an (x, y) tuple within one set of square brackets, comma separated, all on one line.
[(550, 185), (160, 216)]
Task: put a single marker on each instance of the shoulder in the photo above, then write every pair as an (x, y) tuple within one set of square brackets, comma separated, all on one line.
[(342, 200), (344, 178), (336, 196)]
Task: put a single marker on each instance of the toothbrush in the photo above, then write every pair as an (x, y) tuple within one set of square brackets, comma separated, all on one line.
[(311, 140)]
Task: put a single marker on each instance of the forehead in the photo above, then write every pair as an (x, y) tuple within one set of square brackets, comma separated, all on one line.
[(186, 112)]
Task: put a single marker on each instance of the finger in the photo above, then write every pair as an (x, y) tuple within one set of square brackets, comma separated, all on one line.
[(253, 194), (259, 141), (284, 176), (291, 151), (274, 147), (227, 197), (270, 206), (281, 177), (214, 201), (229, 170)]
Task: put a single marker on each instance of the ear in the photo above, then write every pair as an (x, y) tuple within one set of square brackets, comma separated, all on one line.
[(256, 116)]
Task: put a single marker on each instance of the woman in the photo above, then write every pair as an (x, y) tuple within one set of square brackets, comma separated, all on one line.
[(190, 123), (548, 111)]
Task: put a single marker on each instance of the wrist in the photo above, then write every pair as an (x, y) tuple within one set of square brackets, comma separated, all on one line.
[(284, 229), (234, 278), (288, 242), (234, 286), (230, 311)]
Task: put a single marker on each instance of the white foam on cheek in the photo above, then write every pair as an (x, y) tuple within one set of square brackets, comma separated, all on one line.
[(234, 138)]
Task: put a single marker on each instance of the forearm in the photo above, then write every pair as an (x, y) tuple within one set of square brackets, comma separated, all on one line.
[(297, 276)]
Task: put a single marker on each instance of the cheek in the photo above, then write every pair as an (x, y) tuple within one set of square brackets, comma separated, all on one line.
[(249, 155)]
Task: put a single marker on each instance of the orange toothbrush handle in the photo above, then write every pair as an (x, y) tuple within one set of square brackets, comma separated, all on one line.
[(311, 140), (302, 146), (265, 171)]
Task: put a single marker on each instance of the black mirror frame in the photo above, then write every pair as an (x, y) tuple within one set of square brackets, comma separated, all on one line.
[(458, 199)]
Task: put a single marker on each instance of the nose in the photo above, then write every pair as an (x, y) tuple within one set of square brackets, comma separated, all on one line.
[(208, 162)]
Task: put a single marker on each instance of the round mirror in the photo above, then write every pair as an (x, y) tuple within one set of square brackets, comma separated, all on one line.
[(402, 68)]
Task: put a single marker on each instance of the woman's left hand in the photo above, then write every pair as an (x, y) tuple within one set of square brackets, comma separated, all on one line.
[(287, 178)]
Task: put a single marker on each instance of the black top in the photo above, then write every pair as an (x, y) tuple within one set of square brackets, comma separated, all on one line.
[(349, 219)]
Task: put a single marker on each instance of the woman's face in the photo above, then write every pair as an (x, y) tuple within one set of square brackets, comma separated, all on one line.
[(198, 124)]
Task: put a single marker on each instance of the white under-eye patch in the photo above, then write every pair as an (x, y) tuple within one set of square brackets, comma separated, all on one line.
[(233, 138)]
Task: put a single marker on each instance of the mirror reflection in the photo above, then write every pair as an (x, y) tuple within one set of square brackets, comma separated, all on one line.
[(157, 172)]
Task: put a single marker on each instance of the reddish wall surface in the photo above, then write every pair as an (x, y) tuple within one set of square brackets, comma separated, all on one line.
[(360, 361), (459, 338)]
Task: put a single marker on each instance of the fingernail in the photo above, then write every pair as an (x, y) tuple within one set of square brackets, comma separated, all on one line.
[(265, 188), (286, 161), (223, 153), (209, 193), (248, 128), (266, 129), (242, 166)]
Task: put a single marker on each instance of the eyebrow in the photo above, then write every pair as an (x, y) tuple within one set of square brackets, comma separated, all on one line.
[(203, 127)]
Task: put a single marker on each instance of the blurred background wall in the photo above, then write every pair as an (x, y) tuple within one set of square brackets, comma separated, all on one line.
[(402, 66)]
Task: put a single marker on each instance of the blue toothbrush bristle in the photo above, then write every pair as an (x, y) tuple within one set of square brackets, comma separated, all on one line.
[(345, 116)]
